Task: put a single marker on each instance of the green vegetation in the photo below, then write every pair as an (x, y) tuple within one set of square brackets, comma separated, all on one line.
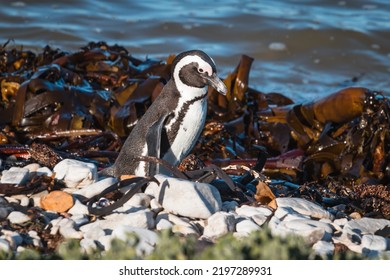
[(258, 245)]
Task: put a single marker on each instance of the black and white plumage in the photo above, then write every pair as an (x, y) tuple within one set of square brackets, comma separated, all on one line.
[(171, 126)]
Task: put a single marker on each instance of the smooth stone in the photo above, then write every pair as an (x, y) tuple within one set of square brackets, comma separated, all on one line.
[(57, 201), (163, 224), (75, 173), (78, 208), (303, 207), (104, 242), (32, 167), (311, 231), (68, 231), (185, 230), (25, 201), (147, 238), (139, 199), (186, 198), (80, 219), (155, 206), (229, 206), (95, 233), (88, 245), (13, 237), (55, 225), (288, 214), (173, 219), (375, 242), (36, 198), (15, 175), (5, 208), (365, 226), (259, 219), (35, 239), (246, 226), (17, 217), (341, 222), (44, 171), (323, 248), (140, 219), (4, 245), (96, 188), (219, 224), (249, 211)]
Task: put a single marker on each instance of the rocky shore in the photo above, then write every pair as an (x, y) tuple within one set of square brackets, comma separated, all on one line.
[(43, 220)]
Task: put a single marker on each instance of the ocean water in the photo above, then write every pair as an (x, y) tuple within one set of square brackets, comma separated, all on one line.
[(302, 48)]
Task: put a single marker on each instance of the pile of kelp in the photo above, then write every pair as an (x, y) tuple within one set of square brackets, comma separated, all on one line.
[(335, 151)]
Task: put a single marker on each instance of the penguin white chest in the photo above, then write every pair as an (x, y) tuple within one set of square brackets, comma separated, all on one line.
[(191, 125)]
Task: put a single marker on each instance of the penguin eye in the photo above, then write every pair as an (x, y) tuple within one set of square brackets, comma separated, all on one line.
[(200, 70)]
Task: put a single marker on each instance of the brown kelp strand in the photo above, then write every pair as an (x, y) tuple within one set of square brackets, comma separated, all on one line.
[(335, 150)]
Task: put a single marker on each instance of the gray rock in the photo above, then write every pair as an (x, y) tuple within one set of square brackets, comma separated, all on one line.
[(246, 226), (15, 175), (219, 224), (155, 206), (80, 220), (35, 240), (95, 233), (249, 211), (75, 173), (88, 245), (25, 201), (104, 242), (186, 198), (16, 217), (140, 219), (5, 208), (14, 238), (186, 230), (32, 167), (303, 207), (163, 224), (323, 248), (78, 208), (375, 242), (68, 230), (147, 238), (37, 198), (229, 206), (312, 231), (4, 245), (44, 171), (365, 226), (138, 200), (95, 188)]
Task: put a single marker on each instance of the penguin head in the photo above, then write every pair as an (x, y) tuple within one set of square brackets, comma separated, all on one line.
[(195, 69)]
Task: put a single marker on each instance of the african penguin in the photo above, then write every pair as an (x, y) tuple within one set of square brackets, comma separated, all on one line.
[(171, 126)]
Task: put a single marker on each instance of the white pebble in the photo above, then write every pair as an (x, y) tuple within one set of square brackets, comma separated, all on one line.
[(246, 226), (186, 198), (17, 217), (95, 188), (15, 175), (75, 173), (219, 224)]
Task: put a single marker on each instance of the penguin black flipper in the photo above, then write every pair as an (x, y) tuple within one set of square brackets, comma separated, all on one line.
[(156, 140)]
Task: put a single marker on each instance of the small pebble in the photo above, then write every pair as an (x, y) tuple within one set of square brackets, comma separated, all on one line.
[(17, 217), (75, 173), (15, 175)]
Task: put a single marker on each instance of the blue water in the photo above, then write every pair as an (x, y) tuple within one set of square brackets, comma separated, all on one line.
[(304, 49)]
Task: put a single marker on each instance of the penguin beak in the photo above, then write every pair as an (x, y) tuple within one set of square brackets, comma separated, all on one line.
[(216, 83)]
